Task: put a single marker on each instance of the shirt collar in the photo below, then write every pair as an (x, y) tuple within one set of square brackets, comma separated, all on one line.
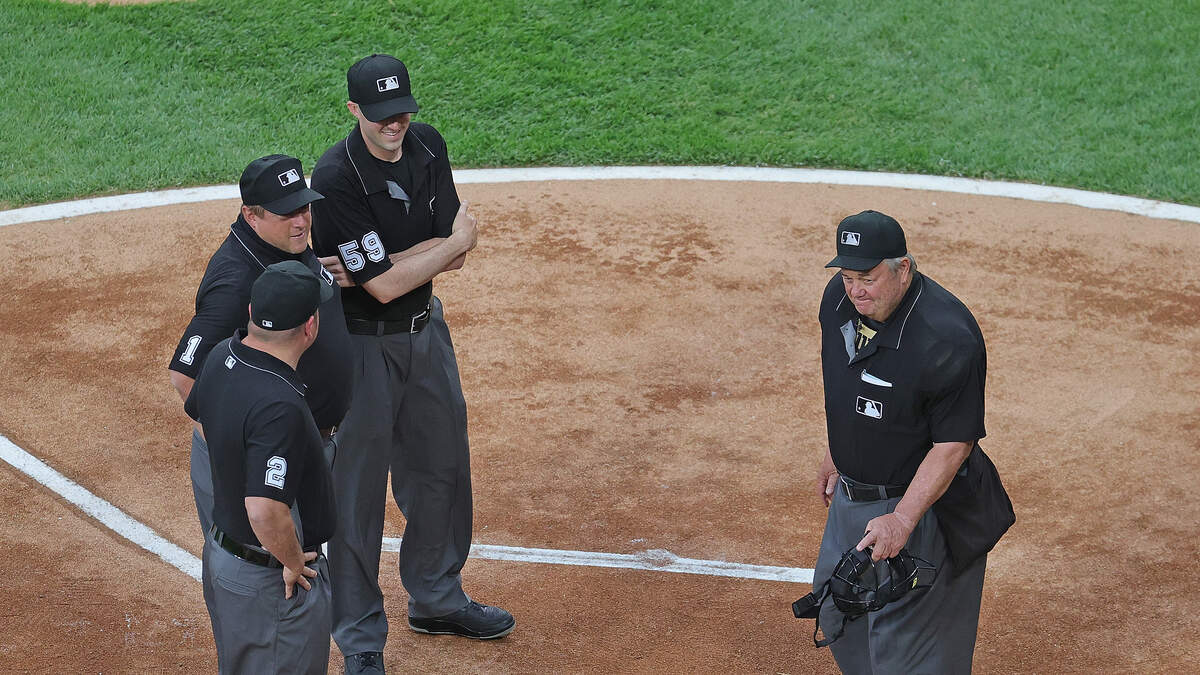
[(260, 360), (262, 252), (892, 331), (365, 165)]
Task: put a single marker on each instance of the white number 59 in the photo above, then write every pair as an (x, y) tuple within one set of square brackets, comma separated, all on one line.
[(354, 260)]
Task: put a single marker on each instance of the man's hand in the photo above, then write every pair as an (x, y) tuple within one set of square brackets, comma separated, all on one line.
[(333, 265), (465, 227), (290, 578), (887, 534), (827, 479)]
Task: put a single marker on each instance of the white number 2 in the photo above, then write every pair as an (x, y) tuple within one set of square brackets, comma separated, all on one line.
[(354, 260), (276, 470)]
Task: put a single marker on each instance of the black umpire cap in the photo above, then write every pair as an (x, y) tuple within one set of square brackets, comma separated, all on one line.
[(866, 239), (285, 295), (379, 85), (276, 183)]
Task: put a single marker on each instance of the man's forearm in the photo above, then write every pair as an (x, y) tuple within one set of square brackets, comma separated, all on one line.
[(932, 478), (272, 523), (182, 383), (416, 265)]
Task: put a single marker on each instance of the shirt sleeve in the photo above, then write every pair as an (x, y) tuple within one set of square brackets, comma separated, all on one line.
[(222, 307), (955, 404), (275, 442), (446, 201), (345, 226)]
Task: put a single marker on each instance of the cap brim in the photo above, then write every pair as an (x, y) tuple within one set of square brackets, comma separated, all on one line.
[(378, 112), (285, 205), (848, 262)]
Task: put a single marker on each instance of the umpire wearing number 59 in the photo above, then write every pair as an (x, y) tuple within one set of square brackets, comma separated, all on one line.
[(272, 490), (904, 367), (390, 222)]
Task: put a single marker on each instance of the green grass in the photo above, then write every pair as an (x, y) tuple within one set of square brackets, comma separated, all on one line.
[(1102, 96)]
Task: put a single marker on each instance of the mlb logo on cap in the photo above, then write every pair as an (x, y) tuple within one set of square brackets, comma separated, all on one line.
[(850, 238), (388, 83), (288, 177)]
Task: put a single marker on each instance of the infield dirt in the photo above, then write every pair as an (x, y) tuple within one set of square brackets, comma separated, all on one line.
[(640, 360)]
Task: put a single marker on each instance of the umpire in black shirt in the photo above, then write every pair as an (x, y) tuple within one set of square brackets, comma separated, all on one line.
[(904, 367), (272, 226), (273, 505)]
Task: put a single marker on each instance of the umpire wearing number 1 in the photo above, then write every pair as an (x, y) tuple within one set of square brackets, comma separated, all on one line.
[(273, 502), (904, 367), (272, 226)]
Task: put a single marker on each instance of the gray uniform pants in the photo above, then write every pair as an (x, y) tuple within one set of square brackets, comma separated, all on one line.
[(256, 629), (407, 415), (202, 486), (931, 631)]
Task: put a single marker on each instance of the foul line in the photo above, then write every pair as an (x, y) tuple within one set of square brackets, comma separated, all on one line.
[(970, 186), (656, 560), (108, 515), (141, 535)]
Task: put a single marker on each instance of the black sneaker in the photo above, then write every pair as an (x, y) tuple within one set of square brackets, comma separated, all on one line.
[(367, 663), (481, 622)]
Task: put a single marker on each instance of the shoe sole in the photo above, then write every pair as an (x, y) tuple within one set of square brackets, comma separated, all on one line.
[(440, 628)]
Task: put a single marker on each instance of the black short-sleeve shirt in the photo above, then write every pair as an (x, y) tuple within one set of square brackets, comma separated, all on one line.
[(919, 381), (222, 303), (369, 212), (262, 441)]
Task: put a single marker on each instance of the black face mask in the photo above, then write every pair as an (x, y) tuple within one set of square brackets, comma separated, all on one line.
[(859, 585)]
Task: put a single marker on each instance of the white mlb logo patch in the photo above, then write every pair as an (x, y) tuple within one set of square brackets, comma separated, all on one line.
[(388, 83), (288, 177), (850, 238), (229, 362), (865, 406)]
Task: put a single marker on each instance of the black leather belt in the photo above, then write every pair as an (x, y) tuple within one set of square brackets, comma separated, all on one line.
[(413, 324), (863, 492), (251, 554)]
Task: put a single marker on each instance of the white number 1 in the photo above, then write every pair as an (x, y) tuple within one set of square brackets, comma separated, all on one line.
[(189, 354)]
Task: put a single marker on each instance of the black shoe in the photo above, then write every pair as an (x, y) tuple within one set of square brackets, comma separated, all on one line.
[(367, 663), (481, 622)]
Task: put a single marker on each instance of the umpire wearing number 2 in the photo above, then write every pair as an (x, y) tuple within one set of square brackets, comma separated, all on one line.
[(390, 222), (273, 502), (904, 367)]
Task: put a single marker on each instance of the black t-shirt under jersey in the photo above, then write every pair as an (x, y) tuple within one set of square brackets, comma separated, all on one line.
[(918, 381), (262, 441)]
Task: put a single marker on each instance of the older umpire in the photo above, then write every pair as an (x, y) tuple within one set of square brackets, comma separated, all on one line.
[(273, 507), (904, 367)]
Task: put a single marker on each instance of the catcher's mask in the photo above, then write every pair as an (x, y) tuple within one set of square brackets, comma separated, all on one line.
[(859, 585)]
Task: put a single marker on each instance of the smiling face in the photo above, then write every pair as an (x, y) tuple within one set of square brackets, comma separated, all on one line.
[(385, 137), (878, 291), (287, 232)]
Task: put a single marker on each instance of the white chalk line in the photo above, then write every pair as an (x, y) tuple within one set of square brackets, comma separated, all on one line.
[(970, 186), (108, 515), (141, 535)]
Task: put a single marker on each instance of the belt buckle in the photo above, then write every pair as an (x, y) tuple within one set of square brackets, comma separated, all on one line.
[(423, 316)]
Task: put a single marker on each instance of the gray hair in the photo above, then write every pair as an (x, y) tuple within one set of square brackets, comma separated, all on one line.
[(894, 263)]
